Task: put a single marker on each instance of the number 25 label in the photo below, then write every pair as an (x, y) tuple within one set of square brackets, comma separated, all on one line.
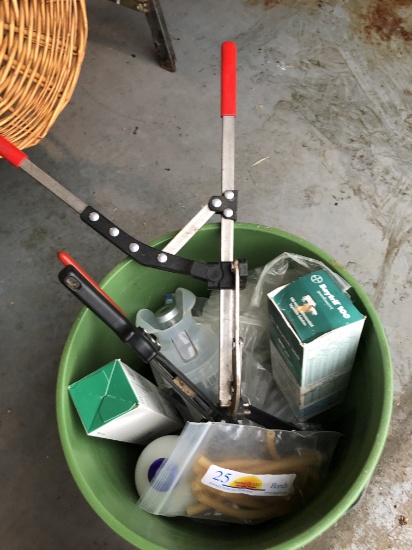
[(230, 481), (222, 477)]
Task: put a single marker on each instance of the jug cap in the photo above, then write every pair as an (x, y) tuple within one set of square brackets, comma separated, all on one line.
[(169, 314)]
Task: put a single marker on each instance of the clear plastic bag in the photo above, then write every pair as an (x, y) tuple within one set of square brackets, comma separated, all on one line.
[(257, 381), (239, 474), (284, 269), (259, 388)]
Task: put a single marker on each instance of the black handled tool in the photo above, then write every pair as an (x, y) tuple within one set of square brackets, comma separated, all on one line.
[(142, 343), (218, 275), (75, 279)]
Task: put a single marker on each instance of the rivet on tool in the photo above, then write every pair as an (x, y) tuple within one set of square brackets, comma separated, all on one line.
[(73, 283), (133, 247), (114, 231), (162, 257), (228, 212), (216, 203), (229, 195), (94, 216)]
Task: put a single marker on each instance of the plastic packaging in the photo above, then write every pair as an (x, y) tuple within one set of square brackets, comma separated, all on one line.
[(151, 459), (261, 391), (284, 269), (314, 335), (241, 474), (150, 463), (191, 346), (257, 381)]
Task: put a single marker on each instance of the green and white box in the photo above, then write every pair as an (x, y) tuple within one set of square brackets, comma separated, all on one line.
[(314, 335), (115, 402)]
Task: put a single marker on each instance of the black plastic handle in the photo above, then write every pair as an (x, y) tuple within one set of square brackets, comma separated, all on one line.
[(136, 337), (216, 274), (268, 420), (141, 342)]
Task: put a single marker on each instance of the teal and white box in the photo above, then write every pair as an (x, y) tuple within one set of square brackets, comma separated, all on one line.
[(115, 402), (314, 333)]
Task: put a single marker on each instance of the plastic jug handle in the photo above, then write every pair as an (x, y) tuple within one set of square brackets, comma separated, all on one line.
[(185, 300)]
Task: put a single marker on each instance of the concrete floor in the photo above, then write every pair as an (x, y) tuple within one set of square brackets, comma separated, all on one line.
[(324, 97)]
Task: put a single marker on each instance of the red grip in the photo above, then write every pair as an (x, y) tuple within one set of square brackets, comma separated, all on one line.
[(228, 96), (66, 259), (11, 153)]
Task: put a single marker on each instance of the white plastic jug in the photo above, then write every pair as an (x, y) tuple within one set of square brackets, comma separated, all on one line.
[(192, 347)]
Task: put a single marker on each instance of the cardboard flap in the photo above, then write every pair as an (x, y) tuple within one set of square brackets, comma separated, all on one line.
[(103, 396)]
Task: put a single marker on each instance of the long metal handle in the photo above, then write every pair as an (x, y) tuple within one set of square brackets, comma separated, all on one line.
[(217, 275), (190, 229), (229, 371), (19, 159)]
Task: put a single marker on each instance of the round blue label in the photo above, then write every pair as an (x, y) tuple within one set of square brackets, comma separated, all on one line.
[(154, 468)]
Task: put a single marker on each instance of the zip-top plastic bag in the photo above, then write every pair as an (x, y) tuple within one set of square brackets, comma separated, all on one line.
[(239, 474)]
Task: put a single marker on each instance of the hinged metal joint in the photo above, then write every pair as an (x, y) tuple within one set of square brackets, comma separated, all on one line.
[(218, 275), (225, 204)]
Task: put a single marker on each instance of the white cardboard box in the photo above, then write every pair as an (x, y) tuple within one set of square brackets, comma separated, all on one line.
[(115, 402), (314, 335)]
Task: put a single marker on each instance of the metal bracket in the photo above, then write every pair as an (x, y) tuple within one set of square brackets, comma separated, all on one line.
[(218, 275), (161, 38), (225, 204)]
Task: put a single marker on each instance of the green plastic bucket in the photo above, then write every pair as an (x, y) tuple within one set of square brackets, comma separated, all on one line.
[(104, 469)]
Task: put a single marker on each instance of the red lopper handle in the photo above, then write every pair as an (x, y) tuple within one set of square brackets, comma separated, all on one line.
[(228, 97), (11, 153), (66, 259)]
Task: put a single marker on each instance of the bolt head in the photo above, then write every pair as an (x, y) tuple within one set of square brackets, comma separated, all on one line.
[(162, 257), (94, 216), (228, 213), (133, 247), (73, 283)]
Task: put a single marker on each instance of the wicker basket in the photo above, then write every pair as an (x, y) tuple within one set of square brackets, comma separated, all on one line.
[(42, 46)]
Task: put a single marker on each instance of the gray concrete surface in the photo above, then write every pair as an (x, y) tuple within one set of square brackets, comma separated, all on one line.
[(325, 105)]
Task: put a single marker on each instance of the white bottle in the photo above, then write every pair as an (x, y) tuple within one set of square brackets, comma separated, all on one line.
[(192, 347), (153, 457)]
